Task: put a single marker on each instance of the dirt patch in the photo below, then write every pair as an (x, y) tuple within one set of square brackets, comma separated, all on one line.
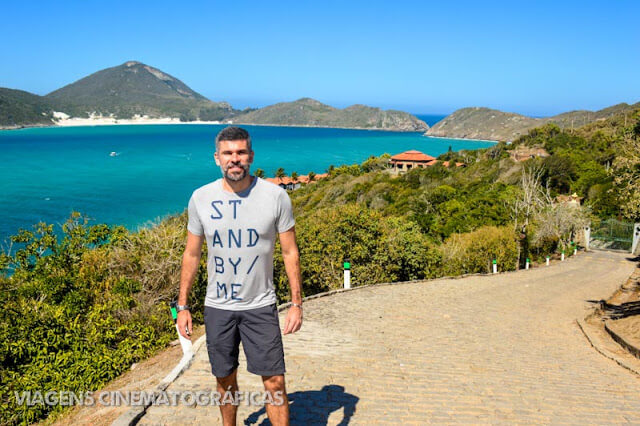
[(146, 375), (627, 329)]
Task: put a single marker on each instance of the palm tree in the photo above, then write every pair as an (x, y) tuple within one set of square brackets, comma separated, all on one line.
[(312, 176), (259, 173), (280, 173), (294, 176)]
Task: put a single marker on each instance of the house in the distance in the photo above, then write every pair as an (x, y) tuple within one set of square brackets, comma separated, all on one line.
[(572, 200), (447, 164), (523, 153), (287, 183), (401, 163)]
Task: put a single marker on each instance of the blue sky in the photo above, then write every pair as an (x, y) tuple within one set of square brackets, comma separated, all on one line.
[(536, 58)]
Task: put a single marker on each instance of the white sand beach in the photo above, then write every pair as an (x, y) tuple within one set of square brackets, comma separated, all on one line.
[(63, 119)]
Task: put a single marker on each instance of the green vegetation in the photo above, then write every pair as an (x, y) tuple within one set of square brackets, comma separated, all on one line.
[(18, 108), (82, 305)]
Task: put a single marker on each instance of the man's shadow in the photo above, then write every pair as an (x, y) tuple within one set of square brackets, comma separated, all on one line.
[(314, 407)]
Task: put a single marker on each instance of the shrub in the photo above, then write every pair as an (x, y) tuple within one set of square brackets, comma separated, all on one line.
[(381, 249), (473, 252)]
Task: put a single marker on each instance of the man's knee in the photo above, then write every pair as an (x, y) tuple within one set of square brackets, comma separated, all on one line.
[(229, 380), (274, 383)]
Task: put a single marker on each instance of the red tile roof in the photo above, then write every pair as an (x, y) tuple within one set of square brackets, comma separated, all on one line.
[(301, 179), (412, 155)]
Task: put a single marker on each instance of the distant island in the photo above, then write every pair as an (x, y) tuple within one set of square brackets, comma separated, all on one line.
[(491, 124), (137, 93), (309, 112)]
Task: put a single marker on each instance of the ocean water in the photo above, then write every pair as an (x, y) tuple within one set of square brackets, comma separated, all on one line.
[(430, 119), (45, 173)]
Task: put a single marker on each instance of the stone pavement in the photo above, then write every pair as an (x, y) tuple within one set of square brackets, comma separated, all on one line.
[(482, 349)]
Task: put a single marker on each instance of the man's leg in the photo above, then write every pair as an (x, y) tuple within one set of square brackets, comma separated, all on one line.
[(228, 384), (278, 412), (223, 340)]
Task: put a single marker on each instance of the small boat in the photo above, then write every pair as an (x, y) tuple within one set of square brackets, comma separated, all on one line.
[(113, 154)]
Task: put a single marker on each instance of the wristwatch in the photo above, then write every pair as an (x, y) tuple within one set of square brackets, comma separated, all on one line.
[(183, 308), (296, 305)]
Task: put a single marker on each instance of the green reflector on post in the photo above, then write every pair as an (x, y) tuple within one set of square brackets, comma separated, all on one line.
[(174, 313), (527, 259), (495, 262), (347, 265)]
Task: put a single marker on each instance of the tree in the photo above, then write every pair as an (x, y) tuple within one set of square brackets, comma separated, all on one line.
[(312, 176), (294, 176), (280, 173), (626, 174), (560, 222), (532, 199), (259, 173)]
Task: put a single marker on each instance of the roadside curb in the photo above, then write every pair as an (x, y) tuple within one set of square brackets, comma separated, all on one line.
[(600, 345), (622, 342), (134, 414)]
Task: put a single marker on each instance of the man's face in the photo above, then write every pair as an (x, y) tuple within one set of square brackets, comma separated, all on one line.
[(234, 159)]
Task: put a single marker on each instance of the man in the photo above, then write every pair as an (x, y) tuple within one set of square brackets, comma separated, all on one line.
[(239, 215)]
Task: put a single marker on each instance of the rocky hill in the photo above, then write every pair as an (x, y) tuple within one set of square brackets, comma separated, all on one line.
[(491, 124), (309, 112), (134, 88)]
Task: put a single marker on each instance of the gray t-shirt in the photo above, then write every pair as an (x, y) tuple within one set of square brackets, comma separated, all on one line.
[(240, 229)]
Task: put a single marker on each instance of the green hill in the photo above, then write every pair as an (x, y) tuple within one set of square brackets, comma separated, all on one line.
[(19, 108), (491, 124), (134, 88), (309, 112)]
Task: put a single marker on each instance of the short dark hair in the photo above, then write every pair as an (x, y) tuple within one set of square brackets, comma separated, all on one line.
[(233, 133)]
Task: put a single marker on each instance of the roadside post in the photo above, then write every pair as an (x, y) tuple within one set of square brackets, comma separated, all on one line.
[(562, 256), (184, 342), (575, 247), (527, 264), (636, 238), (495, 266), (587, 237), (547, 260), (347, 272)]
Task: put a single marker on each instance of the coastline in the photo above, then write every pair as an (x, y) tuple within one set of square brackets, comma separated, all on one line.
[(91, 122), (462, 139)]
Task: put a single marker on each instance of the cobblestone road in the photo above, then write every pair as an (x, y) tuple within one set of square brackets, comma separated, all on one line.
[(483, 349)]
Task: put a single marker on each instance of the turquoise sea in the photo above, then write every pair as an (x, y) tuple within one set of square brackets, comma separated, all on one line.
[(45, 173)]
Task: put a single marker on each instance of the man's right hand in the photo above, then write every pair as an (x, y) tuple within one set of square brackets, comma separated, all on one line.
[(184, 324)]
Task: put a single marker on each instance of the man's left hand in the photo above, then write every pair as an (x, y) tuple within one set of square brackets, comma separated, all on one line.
[(293, 321)]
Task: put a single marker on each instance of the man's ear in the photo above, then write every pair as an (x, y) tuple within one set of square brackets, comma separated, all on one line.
[(215, 157)]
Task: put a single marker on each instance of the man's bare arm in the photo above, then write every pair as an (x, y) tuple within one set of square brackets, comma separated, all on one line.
[(291, 258), (190, 262)]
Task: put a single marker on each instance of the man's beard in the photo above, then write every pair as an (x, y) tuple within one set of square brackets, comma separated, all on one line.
[(238, 176)]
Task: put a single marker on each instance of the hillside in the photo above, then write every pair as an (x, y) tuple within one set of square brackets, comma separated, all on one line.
[(309, 112), (134, 88), (19, 108), (491, 124)]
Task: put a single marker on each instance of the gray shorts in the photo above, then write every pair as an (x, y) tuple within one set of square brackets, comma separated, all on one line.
[(257, 329)]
